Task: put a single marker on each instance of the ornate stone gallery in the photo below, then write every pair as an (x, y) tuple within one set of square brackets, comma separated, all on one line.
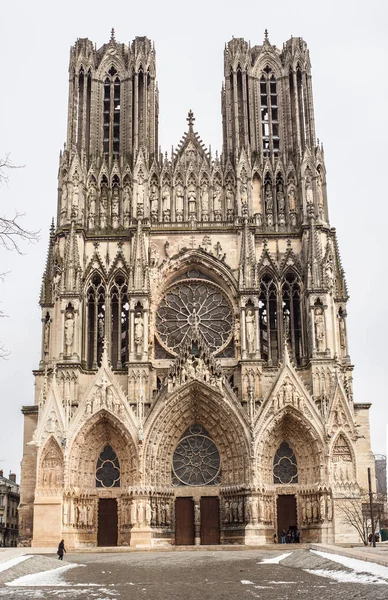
[(195, 385)]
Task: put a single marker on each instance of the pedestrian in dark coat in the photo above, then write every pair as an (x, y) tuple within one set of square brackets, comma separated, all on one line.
[(61, 549)]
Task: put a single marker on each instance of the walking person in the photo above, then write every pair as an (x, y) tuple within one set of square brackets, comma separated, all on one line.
[(283, 536), (61, 549)]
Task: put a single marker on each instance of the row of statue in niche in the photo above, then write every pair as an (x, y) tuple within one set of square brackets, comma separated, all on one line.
[(115, 205)]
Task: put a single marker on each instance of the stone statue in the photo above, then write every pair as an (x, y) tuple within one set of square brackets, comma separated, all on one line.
[(218, 251), (244, 197), (268, 199), (92, 205), (319, 322), (291, 197), (140, 191), (342, 333), (197, 513), (148, 512), (166, 199), (46, 337), (69, 330), (250, 330), (75, 198), (179, 195), (127, 205), (154, 199), (309, 191), (139, 331), (205, 201), (115, 207), (192, 200), (103, 206), (280, 198), (229, 201), (288, 391), (217, 204), (64, 203), (322, 508)]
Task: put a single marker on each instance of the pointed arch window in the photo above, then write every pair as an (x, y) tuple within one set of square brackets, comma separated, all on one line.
[(285, 466), (108, 469), (119, 322), (112, 108), (268, 313), (269, 113), (95, 319), (292, 315)]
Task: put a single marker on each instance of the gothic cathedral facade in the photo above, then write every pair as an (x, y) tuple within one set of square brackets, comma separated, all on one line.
[(195, 384)]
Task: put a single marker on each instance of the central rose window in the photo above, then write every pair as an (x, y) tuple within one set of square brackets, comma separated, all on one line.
[(194, 305)]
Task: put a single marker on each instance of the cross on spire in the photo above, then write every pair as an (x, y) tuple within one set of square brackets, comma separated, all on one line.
[(112, 35), (190, 119), (266, 35)]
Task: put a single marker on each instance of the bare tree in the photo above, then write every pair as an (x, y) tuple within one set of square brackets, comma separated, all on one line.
[(12, 232), (355, 512)]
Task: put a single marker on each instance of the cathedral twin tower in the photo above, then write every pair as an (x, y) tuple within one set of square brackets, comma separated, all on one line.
[(195, 384)]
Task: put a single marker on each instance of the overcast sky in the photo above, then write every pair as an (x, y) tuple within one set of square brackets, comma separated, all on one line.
[(348, 49)]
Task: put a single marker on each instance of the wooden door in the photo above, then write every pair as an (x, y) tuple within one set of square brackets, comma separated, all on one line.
[(286, 509), (210, 521), (184, 522), (107, 522)]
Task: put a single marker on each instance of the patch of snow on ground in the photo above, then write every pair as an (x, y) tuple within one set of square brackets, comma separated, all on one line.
[(275, 560), (346, 577), (13, 562), (359, 566), (279, 582), (246, 582), (52, 578)]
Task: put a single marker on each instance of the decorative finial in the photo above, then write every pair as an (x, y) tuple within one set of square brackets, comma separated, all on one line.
[(190, 119), (266, 35), (112, 35)]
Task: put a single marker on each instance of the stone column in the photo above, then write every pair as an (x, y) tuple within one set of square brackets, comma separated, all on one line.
[(145, 334), (243, 333), (131, 332), (257, 332), (312, 331)]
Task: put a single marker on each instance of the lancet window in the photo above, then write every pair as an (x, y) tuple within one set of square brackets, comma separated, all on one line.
[(280, 317), (107, 318), (269, 112), (95, 320), (120, 322), (291, 299), (112, 92), (108, 469), (268, 312), (82, 86), (301, 101)]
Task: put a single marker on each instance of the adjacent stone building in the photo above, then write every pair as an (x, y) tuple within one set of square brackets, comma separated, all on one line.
[(9, 501), (195, 384)]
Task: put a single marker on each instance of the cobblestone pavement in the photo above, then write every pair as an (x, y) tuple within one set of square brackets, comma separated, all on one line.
[(201, 575)]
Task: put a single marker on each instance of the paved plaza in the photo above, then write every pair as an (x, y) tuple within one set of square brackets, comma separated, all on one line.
[(192, 575)]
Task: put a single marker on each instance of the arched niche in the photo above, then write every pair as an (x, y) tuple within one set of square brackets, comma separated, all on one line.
[(51, 466), (343, 462), (101, 431), (298, 434), (196, 404)]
